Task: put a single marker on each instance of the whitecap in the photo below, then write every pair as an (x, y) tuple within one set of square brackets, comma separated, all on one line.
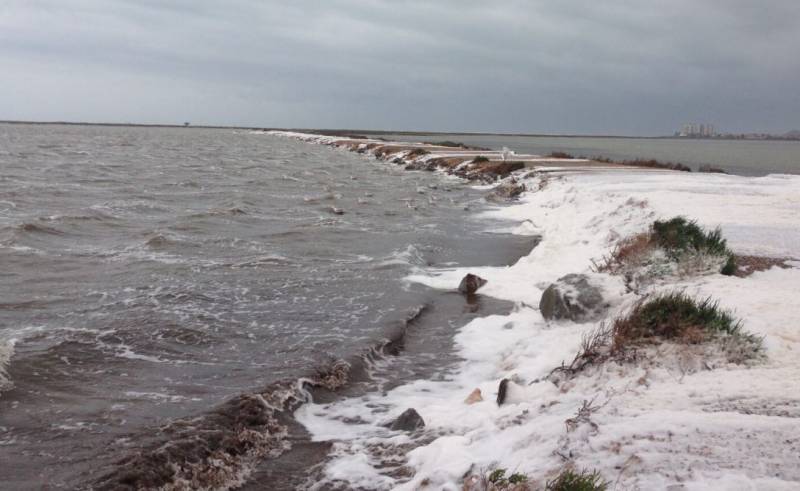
[(6, 352)]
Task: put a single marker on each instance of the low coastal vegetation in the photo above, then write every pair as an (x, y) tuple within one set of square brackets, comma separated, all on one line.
[(676, 317), (679, 241), (416, 153), (477, 169), (348, 134), (570, 480), (498, 478), (655, 164), (670, 331), (567, 480), (670, 317), (678, 236), (448, 143), (711, 169), (637, 162)]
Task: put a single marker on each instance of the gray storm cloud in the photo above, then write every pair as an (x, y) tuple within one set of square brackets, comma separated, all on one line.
[(630, 67)]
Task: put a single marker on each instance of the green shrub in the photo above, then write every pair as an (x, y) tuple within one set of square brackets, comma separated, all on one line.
[(497, 476), (672, 316), (517, 478), (499, 481), (676, 316), (448, 143), (730, 267), (570, 480), (479, 159), (680, 235)]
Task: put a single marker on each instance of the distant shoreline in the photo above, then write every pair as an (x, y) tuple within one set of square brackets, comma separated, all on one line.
[(342, 132)]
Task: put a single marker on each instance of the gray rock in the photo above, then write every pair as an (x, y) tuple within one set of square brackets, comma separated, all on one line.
[(508, 190), (572, 297), (470, 284), (410, 420)]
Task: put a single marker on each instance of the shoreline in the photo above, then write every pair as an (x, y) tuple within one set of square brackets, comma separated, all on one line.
[(256, 425), (646, 414), (344, 131), (471, 163)]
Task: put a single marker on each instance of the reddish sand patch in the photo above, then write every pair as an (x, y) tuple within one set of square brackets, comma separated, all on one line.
[(747, 265)]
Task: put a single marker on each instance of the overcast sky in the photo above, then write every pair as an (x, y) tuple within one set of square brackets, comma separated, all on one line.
[(634, 67)]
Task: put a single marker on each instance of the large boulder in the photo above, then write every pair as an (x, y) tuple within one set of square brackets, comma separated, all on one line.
[(410, 420), (572, 297), (470, 284)]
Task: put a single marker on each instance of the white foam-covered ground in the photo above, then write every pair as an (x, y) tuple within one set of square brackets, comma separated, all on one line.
[(732, 427)]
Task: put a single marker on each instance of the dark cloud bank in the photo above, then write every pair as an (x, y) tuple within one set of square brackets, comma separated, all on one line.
[(611, 67)]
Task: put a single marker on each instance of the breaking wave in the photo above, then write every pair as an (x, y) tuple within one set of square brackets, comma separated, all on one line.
[(221, 449)]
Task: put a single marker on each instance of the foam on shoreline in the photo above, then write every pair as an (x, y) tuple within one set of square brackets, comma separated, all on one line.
[(731, 427), (475, 164)]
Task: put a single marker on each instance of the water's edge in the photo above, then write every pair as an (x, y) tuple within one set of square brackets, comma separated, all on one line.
[(253, 438)]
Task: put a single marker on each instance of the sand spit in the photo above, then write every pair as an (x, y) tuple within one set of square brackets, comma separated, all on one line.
[(472, 163), (682, 414)]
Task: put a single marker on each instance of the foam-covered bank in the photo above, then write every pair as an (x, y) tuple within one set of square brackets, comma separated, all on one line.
[(664, 419)]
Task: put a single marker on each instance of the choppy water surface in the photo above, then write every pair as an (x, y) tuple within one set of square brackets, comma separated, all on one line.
[(747, 158), (149, 274)]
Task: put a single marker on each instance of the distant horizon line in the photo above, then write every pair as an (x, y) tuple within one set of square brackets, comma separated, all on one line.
[(347, 131), (333, 131)]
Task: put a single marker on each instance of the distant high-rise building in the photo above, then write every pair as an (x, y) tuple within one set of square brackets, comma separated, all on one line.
[(695, 130)]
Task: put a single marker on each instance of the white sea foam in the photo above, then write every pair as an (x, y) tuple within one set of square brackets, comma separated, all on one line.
[(6, 352), (19, 248), (409, 256), (728, 428), (8, 340), (158, 396)]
